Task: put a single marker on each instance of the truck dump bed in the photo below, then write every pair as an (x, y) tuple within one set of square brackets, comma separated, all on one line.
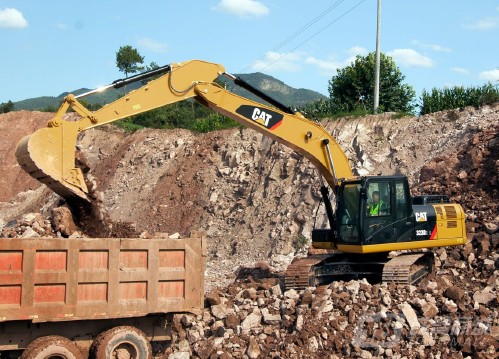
[(50, 279)]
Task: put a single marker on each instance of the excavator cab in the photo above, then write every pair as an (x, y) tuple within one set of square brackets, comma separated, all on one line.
[(377, 214), (374, 210)]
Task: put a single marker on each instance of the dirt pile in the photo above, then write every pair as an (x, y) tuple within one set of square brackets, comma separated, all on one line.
[(469, 177), (14, 126)]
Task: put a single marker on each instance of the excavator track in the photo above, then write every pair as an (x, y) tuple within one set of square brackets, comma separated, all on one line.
[(300, 273), (408, 268), (322, 269)]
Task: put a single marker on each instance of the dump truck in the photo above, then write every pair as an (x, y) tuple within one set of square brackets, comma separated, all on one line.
[(67, 297)]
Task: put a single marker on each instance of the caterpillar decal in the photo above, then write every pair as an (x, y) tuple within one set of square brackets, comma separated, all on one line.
[(425, 220), (263, 116), (439, 221)]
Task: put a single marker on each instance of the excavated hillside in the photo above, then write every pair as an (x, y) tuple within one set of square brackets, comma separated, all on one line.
[(258, 202), (255, 198)]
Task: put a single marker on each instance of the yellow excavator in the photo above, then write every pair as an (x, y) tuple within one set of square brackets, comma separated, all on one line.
[(369, 216)]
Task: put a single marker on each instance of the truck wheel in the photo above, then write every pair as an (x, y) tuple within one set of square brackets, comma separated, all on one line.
[(53, 346), (121, 343)]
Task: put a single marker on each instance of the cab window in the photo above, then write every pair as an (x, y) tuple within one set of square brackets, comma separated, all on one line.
[(401, 200), (378, 199), (349, 213)]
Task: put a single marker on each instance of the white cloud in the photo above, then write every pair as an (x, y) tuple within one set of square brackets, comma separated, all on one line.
[(353, 52), (460, 70), (487, 23), (152, 45), (492, 75), (12, 18), (274, 61), (410, 58), (433, 47), (61, 26), (329, 66), (242, 8), (326, 67), (357, 50)]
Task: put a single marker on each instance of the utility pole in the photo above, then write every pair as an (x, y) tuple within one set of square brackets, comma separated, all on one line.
[(376, 73)]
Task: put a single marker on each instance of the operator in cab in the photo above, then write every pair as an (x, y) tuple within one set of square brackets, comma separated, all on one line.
[(376, 205)]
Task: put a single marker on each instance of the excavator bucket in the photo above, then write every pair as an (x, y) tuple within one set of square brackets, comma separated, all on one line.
[(48, 155)]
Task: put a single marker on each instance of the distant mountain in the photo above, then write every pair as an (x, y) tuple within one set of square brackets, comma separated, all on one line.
[(44, 102), (277, 89)]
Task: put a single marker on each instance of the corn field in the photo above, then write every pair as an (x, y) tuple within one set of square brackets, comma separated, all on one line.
[(457, 97)]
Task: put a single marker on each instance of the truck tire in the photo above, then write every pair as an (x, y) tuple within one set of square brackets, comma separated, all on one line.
[(53, 346), (122, 342)]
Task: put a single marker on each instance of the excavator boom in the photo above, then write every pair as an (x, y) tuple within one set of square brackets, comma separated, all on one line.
[(48, 155)]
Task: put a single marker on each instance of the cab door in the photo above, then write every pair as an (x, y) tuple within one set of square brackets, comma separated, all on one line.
[(403, 226), (392, 219), (378, 211)]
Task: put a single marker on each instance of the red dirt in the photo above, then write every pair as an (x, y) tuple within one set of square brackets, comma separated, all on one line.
[(14, 126)]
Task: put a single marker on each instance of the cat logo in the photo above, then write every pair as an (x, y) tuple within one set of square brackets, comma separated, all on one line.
[(421, 216), (260, 116), (263, 116)]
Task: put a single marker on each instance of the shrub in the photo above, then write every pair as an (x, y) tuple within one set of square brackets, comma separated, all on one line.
[(300, 242)]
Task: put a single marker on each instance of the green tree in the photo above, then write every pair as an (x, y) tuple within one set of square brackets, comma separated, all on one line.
[(128, 60), (353, 86), (152, 66), (91, 106), (6, 107)]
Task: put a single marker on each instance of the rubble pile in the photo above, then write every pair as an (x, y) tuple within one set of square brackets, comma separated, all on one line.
[(258, 200), (469, 177), (59, 224), (256, 318), (452, 313)]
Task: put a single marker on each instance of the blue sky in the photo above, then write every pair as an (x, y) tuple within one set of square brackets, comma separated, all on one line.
[(49, 47)]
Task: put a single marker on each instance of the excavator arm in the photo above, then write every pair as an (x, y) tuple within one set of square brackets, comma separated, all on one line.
[(48, 155)]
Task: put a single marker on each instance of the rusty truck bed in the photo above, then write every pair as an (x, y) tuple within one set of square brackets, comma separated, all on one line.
[(47, 279)]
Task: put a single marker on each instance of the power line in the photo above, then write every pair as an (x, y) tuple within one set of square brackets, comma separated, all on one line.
[(312, 36), (296, 33)]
